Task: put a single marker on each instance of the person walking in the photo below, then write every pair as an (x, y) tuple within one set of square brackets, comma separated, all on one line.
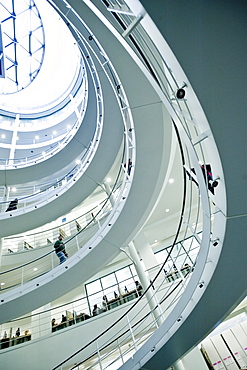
[(60, 249)]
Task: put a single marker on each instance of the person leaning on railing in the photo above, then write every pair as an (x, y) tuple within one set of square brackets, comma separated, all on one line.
[(60, 249)]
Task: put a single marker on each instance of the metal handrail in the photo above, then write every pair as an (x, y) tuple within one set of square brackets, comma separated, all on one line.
[(186, 129)]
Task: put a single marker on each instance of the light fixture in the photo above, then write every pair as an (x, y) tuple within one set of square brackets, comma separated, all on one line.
[(181, 92), (171, 181), (2, 284), (108, 179), (35, 269), (167, 210), (215, 242), (78, 161), (3, 136), (54, 132), (36, 137), (14, 190)]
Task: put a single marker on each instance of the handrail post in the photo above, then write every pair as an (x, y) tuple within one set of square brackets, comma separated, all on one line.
[(131, 332), (22, 275), (99, 357), (77, 242)]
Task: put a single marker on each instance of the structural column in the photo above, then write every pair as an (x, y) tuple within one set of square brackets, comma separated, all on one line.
[(151, 298), (146, 253)]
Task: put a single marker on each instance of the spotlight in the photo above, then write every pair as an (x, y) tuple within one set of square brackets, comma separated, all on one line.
[(215, 242), (181, 92)]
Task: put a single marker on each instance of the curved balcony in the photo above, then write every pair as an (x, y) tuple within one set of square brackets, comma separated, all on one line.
[(198, 145)]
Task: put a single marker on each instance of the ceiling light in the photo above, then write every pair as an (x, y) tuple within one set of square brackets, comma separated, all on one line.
[(108, 179), (54, 132), (3, 136), (36, 137), (167, 210), (78, 161), (14, 189), (35, 269), (155, 240), (171, 181), (2, 283)]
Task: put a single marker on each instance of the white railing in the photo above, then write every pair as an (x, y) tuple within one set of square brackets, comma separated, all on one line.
[(197, 147), (81, 309)]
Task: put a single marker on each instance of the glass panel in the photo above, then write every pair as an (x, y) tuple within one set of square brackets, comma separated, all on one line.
[(161, 256), (108, 281), (176, 250), (190, 243), (123, 274), (127, 285), (133, 270), (93, 287), (95, 299), (193, 254), (180, 261), (109, 292)]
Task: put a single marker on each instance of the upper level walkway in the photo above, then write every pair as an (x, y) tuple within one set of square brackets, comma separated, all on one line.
[(157, 106)]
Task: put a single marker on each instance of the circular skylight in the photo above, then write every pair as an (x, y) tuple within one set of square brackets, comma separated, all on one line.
[(21, 44)]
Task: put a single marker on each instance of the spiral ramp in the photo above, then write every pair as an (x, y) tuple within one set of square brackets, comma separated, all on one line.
[(145, 109), (150, 174)]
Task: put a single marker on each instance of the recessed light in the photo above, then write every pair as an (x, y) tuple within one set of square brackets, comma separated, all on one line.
[(3, 136), (35, 269), (108, 179), (13, 189), (78, 161), (2, 283), (36, 137), (54, 132), (167, 210), (171, 181)]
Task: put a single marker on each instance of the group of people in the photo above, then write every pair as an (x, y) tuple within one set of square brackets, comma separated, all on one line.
[(105, 304), (53, 321)]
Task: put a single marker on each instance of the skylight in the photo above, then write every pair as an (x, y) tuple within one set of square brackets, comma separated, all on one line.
[(23, 44)]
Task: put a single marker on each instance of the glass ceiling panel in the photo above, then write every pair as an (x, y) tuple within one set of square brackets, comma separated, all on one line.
[(44, 25), (20, 20)]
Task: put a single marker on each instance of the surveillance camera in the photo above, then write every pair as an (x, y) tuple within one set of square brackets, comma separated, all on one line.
[(181, 92)]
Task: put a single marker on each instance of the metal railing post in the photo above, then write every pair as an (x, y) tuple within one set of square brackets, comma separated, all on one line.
[(131, 332)]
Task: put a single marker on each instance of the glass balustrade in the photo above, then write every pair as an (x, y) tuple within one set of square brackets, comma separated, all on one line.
[(120, 288), (194, 149)]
